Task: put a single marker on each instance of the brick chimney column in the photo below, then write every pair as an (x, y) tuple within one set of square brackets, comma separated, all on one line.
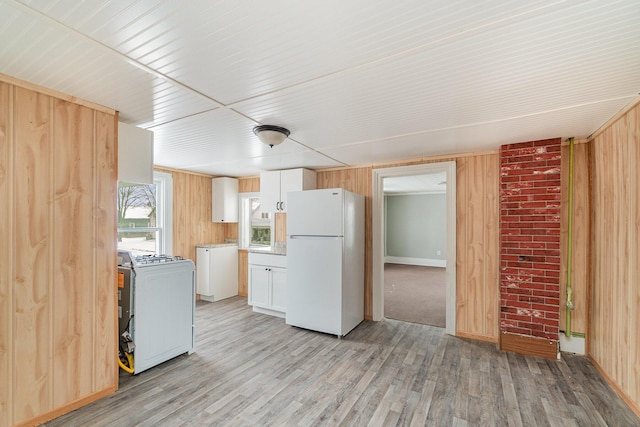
[(530, 247)]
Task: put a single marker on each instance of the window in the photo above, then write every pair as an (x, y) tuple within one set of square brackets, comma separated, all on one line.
[(255, 227), (144, 216)]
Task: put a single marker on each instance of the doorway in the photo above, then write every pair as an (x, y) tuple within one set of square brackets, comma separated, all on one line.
[(378, 219), (415, 248)]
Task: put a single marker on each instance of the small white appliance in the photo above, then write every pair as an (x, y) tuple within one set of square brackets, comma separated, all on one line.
[(325, 260), (156, 305)]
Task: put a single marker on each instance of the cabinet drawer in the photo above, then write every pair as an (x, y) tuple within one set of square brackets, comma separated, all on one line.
[(270, 260)]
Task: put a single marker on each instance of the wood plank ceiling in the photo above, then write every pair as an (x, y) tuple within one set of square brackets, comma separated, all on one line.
[(357, 82)]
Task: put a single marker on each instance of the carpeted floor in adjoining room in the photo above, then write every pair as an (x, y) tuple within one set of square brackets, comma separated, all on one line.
[(415, 294)]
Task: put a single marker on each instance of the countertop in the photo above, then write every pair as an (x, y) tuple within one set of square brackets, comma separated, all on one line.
[(271, 250), (216, 245)]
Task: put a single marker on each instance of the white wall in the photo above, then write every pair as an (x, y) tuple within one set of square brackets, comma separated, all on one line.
[(416, 229)]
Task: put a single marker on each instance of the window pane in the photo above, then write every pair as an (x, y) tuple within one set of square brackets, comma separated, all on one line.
[(139, 242), (261, 235), (260, 224), (136, 205)]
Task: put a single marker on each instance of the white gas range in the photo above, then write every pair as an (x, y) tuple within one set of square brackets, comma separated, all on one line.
[(156, 305)]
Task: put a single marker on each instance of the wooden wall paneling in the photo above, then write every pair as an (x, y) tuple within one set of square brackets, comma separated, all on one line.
[(57, 286), (280, 225), (580, 246), (364, 187), (473, 208), (73, 252), (622, 284), (6, 253), (477, 241), (31, 330), (184, 215), (614, 320), (243, 273), (105, 319), (462, 293), (249, 184), (491, 239), (230, 230), (634, 256), (601, 247), (619, 262), (192, 223), (322, 178)]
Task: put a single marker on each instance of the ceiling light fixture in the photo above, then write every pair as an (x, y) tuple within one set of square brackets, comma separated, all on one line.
[(271, 135)]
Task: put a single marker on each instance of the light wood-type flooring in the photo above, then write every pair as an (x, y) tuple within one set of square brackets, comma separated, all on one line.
[(251, 369)]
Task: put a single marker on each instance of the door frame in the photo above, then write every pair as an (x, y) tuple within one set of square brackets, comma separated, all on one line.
[(378, 221)]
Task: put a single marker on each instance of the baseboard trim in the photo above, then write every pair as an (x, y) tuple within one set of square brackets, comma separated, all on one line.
[(485, 338), (269, 312), (572, 344), (530, 346), (424, 262), (55, 413), (635, 406)]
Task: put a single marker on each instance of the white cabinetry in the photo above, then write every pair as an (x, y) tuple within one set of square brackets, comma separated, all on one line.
[(275, 185), (217, 271), (268, 283), (224, 197), (135, 154)]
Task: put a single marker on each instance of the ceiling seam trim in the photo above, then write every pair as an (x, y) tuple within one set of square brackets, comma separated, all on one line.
[(183, 117), (553, 110), (289, 138), (129, 60)]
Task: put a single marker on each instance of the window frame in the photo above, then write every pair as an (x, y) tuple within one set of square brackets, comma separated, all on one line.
[(244, 222), (164, 214)]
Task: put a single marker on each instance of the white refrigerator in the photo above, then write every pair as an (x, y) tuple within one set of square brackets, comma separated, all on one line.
[(325, 260)]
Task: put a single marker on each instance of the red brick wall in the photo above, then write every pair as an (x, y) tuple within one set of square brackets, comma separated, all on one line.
[(530, 238)]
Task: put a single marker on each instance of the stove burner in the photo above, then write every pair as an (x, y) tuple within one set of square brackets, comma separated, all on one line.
[(156, 259)]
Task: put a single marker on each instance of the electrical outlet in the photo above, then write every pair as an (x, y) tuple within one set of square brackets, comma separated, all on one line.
[(438, 253)]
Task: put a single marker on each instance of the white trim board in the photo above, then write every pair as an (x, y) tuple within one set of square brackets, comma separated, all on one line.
[(378, 214), (425, 262), (572, 344)]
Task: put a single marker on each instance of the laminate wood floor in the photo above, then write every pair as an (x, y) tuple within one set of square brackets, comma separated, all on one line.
[(251, 369)]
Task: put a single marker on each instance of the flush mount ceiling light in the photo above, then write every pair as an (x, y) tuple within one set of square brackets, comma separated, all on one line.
[(271, 135)]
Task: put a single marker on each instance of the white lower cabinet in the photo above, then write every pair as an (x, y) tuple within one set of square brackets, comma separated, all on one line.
[(268, 283), (279, 289)]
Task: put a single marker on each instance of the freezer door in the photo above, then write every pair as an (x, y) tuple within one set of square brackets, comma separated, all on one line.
[(314, 283), (315, 212)]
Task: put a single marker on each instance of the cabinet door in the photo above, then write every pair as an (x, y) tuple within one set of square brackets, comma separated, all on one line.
[(259, 276), (295, 180), (278, 289), (290, 180), (224, 198), (270, 191), (202, 272)]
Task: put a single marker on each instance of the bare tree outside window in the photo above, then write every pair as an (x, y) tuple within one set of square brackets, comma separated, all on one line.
[(137, 223), (136, 196)]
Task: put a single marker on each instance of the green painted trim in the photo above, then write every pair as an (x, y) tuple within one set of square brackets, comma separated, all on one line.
[(576, 334)]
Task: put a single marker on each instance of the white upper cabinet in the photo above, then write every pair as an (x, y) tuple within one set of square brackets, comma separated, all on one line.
[(224, 198), (275, 185), (270, 191), (135, 154)]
